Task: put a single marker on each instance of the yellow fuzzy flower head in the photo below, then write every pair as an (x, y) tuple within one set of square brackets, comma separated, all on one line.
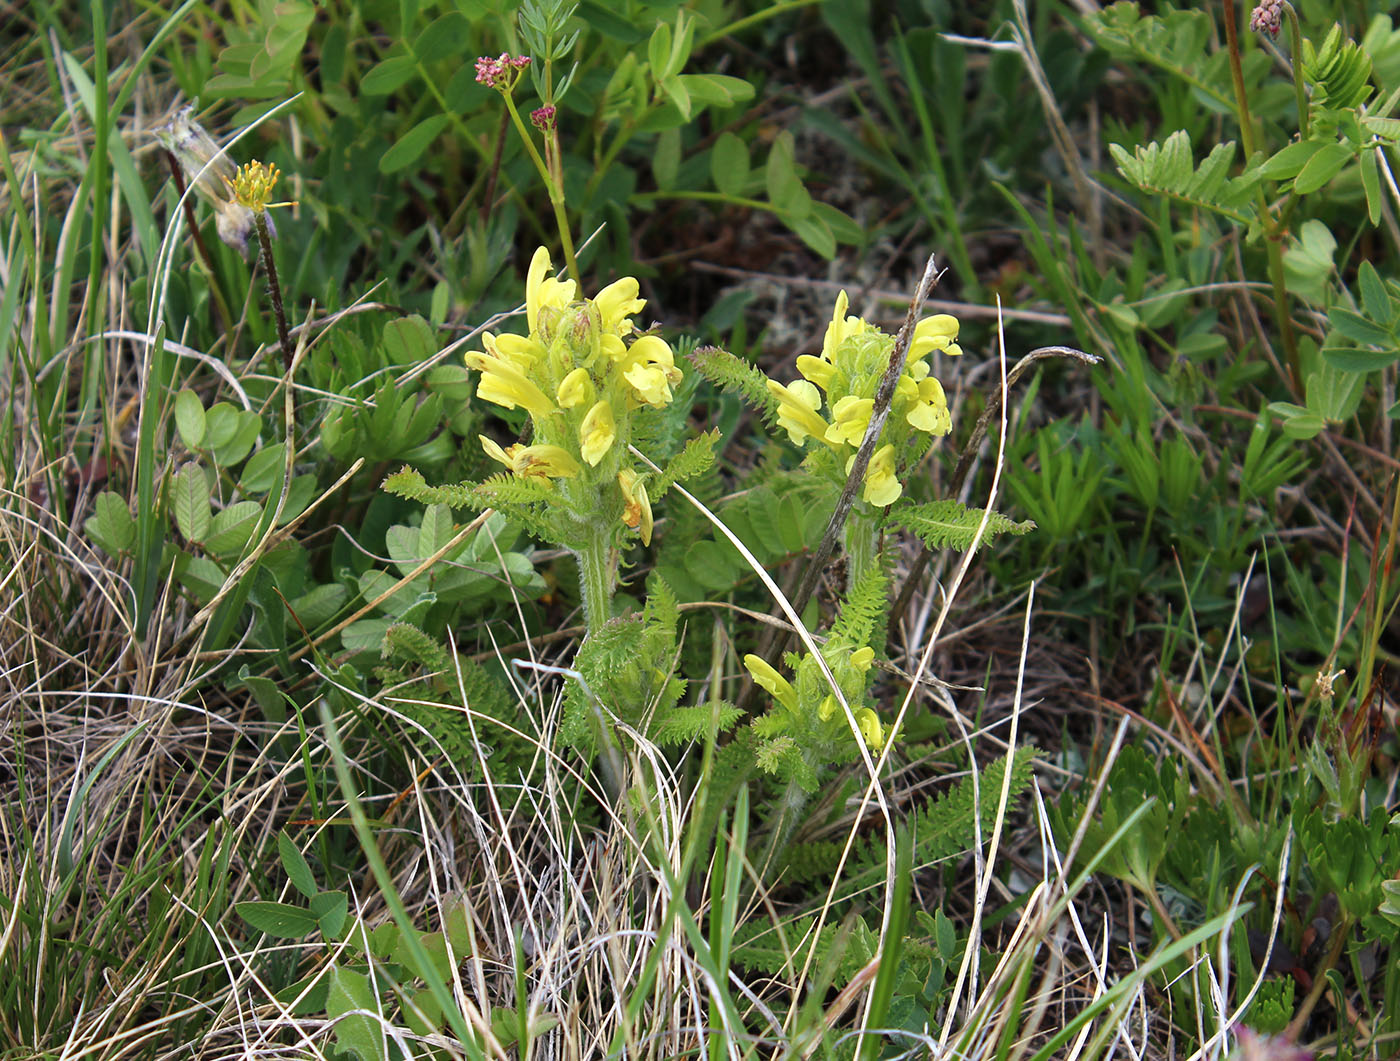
[(832, 403)]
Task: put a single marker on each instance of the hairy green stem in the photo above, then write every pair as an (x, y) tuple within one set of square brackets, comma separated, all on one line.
[(597, 576)]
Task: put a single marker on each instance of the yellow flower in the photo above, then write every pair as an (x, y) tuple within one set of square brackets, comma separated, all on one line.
[(777, 686), (850, 418), (870, 727), (935, 333), (597, 432), (650, 369), (815, 369), (827, 709), (881, 486), (504, 384), (575, 389), (861, 658), (517, 350), (541, 461), (617, 302), (841, 328), (636, 508), (542, 290), (929, 411), (797, 409)]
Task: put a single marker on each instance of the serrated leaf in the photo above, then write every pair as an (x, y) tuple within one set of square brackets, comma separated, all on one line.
[(189, 502), (298, 869), (279, 920), (190, 419), (410, 147)]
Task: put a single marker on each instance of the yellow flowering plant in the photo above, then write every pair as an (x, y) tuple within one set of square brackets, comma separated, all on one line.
[(586, 377)]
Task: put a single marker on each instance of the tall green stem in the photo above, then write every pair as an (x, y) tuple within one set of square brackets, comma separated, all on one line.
[(597, 576), (1273, 232)]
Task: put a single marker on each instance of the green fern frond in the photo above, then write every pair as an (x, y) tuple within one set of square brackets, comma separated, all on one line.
[(763, 948), (449, 729), (734, 375), (697, 457), (949, 524), (407, 642), (516, 491), (694, 722), (943, 828), (862, 617), (1169, 169), (406, 482)]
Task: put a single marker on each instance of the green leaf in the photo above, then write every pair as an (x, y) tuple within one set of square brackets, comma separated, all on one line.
[(442, 38), (1322, 167), (780, 175), (230, 530), (388, 75), (246, 426), (410, 147), (1356, 359), (814, 232), (280, 920), (221, 425), (356, 1033), (729, 164), (260, 473), (1375, 299), (1289, 161), (111, 524), (1371, 183), (717, 90), (190, 502), (408, 341), (666, 160), (298, 870), (659, 51), (330, 909), (1358, 329), (189, 418), (1296, 421)]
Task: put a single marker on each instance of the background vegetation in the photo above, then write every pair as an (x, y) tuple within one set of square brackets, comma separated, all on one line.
[(297, 766)]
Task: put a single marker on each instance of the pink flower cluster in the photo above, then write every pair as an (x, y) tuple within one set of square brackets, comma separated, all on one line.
[(500, 72), (1267, 17), (543, 118)]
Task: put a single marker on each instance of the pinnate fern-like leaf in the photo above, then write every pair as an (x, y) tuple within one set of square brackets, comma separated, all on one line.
[(696, 459), (949, 524), (733, 375), (406, 482), (1168, 168)]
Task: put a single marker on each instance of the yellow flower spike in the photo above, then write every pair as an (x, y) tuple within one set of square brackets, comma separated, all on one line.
[(861, 658), (597, 433), (505, 385), (778, 687), (850, 418), (617, 302), (575, 389), (797, 409), (938, 332), (930, 409), (870, 728), (881, 486), (636, 510), (815, 369)]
